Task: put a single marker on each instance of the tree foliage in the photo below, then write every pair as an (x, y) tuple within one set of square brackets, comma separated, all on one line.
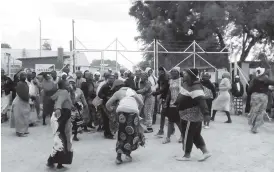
[(5, 45), (176, 24)]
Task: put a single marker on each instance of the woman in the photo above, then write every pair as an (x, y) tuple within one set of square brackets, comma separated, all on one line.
[(20, 109), (210, 93), (148, 108), (172, 112), (79, 102), (222, 102), (130, 134), (193, 111), (61, 124), (259, 98)]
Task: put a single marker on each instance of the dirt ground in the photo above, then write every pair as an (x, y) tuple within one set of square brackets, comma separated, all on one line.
[(233, 148)]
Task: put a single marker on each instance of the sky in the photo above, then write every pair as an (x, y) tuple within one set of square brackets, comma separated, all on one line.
[(97, 24)]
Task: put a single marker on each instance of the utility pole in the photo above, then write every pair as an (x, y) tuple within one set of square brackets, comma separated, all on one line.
[(154, 54), (73, 46), (194, 53), (40, 37), (116, 46)]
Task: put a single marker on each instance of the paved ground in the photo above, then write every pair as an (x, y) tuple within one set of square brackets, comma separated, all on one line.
[(233, 147)]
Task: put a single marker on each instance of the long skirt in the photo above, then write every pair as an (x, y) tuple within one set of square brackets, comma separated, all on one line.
[(62, 129), (148, 109), (238, 104), (257, 111), (130, 133), (33, 117), (222, 102), (20, 113), (77, 121)]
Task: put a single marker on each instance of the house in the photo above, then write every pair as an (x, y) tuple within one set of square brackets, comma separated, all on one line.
[(29, 58)]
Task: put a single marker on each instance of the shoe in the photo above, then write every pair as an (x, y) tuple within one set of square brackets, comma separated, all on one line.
[(160, 133), (149, 130), (206, 127), (21, 134), (50, 163), (118, 161), (183, 158), (109, 137), (99, 129), (205, 157), (212, 119), (26, 133), (60, 166), (167, 140), (75, 139), (228, 121), (128, 158)]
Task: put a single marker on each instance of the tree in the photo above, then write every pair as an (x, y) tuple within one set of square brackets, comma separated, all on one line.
[(5, 45), (254, 23), (176, 24)]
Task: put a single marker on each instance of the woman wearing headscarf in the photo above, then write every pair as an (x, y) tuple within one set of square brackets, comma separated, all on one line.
[(259, 98), (162, 90), (153, 80), (222, 102), (49, 88), (20, 109), (79, 104), (129, 81), (172, 112), (210, 93), (61, 125), (130, 133), (193, 111), (148, 108)]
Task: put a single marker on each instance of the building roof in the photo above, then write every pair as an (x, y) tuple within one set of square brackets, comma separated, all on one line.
[(21, 54)]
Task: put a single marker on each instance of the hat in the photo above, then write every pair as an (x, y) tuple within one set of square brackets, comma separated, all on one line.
[(226, 75), (117, 83), (237, 76), (148, 69), (64, 74)]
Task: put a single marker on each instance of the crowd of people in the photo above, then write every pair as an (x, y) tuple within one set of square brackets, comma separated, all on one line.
[(122, 103)]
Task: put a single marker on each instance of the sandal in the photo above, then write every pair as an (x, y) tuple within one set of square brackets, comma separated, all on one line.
[(167, 140)]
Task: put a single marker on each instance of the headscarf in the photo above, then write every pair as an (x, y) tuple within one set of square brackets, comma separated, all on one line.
[(97, 73), (71, 80), (64, 74), (178, 69), (260, 71), (226, 75), (148, 69), (117, 83)]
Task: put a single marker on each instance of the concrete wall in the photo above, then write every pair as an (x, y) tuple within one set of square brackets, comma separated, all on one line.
[(30, 63)]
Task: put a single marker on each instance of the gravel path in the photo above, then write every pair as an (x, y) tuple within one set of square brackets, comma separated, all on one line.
[(234, 149)]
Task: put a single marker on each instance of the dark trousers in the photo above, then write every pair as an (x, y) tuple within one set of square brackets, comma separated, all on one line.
[(191, 134), (155, 110), (163, 118), (209, 105), (105, 118)]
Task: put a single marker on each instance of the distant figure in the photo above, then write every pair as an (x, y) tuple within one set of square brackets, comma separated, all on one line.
[(79, 79), (237, 93)]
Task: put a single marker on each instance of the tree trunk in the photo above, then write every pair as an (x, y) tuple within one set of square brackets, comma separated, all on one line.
[(245, 52)]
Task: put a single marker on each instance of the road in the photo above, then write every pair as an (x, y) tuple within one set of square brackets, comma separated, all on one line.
[(233, 147)]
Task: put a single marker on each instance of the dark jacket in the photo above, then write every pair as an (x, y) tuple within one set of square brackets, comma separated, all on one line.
[(22, 90), (208, 84), (193, 102), (235, 92), (163, 83), (260, 85), (88, 90), (105, 93)]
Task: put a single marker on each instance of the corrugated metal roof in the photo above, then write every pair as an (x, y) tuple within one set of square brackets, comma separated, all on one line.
[(80, 59)]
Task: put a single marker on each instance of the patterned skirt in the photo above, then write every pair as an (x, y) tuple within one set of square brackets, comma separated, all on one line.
[(77, 121), (257, 111), (238, 104), (130, 133)]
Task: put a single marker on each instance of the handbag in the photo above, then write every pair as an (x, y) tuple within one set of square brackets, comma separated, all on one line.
[(63, 158), (208, 93)]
